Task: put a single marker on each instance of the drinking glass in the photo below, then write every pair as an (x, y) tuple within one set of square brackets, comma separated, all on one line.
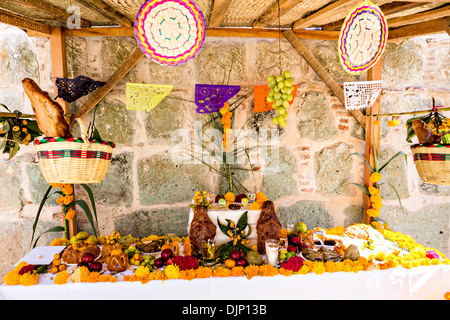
[(208, 251), (272, 247)]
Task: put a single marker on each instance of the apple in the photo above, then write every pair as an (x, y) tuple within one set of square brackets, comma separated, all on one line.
[(159, 263), (241, 262), (235, 254), (291, 248), (166, 254), (296, 241), (87, 258), (95, 266)]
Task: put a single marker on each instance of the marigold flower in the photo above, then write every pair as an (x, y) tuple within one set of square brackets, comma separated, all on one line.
[(260, 197), (375, 177), (71, 213), (172, 271), (62, 277), (377, 205), (28, 279), (12, 278), (230, 197)]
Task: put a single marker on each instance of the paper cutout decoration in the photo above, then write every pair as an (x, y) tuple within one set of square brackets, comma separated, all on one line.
[(210, 98), (363, 38), (362, 94), (72, 89), (170, 32), (145, 97), (261, 93)]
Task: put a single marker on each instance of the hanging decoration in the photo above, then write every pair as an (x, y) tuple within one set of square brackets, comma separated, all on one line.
[(170, 32), (72, 89), (145, 97), (211, 98), (361, 94), (363, 38), (261, 94)]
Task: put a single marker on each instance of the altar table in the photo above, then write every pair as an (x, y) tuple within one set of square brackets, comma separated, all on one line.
[(420, 283)]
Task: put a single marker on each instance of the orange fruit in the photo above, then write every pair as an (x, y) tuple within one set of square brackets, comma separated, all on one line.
[(230, 263)]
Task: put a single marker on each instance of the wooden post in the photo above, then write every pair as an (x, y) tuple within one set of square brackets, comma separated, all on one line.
[(321, 72), (372, 137), (59, 70)]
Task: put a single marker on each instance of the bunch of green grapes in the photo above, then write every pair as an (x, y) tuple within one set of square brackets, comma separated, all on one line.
[(281, 94)]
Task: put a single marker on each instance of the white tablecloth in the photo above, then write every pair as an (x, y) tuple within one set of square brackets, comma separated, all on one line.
[(427, 282)]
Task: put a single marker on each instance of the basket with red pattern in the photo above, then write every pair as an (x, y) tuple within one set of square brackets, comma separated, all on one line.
[(73, 160)]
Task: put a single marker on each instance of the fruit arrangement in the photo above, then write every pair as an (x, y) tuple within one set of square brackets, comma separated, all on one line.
[(281, 94), (235, 259)]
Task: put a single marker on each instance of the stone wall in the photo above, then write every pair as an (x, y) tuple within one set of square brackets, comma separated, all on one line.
[(145, 192)]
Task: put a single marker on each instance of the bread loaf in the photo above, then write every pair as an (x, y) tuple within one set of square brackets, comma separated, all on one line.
[(49, 114)]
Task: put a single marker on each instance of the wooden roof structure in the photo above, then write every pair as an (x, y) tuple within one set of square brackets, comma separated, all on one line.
[(294, 19), (229, 18)]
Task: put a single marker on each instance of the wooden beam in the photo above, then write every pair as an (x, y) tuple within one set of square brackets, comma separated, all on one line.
[(321, 72), (418, 29), (447, 26), (325, 13), (388, 9), (210, 32), (47, 8), (59, 70), (107, 11), (59, 62), (23, 23), (372, 137), (100, 93), (270, 17), (420, 17), (218, 12)]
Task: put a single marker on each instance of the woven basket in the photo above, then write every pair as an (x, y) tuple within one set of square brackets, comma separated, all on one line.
[(432, 163), (74, 160)]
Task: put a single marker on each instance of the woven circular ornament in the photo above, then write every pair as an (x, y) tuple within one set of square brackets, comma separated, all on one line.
[(170, 32), (363, 38)]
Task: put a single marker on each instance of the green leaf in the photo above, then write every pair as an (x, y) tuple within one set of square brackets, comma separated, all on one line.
[(91, 198), (54, 229), (395, 156), (41, 205), (363, 189), (222, 227), (224, 250), (398, 196), (359, 155), (375, 155), (243, 221), (83, 205)]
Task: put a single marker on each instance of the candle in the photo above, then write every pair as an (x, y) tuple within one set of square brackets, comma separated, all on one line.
[(272, 247)]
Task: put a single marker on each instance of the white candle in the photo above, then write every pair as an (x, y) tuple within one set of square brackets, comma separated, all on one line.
[(272, 247)]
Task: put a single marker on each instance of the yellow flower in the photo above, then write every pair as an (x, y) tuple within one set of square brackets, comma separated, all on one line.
[(375, 198), (373, 213), (260, 197), (70, 214), (172, 271), (29, 279), (62, 277), (12, 278), (392, 123), (374, 191), (142, 272), (16, 128), (377, 205), (375, 177), (230, 197)]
